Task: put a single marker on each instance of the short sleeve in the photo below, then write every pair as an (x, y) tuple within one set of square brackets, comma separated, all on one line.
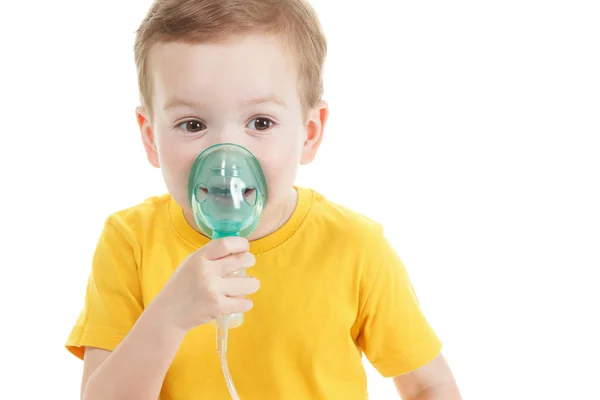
[(113, 300), (394, 334)]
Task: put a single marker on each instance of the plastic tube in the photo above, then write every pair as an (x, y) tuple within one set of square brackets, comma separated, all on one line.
[(228, 192), (222, 334)]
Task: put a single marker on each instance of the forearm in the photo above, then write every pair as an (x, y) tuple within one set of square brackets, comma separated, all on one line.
[(433, 381), (441, 392), (137, 367)]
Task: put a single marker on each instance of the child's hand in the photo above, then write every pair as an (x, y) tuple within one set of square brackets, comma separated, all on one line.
[(200, 289)]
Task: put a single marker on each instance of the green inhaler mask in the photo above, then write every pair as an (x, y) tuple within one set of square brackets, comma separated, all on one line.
[(227, 190), (228, 193)]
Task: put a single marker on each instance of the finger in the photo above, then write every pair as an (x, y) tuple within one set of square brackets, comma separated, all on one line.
[(223, 247), (238, 287), (232, 305), (235, 262)]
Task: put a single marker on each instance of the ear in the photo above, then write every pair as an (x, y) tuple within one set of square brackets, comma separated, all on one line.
[(317, 118), (147, 136)]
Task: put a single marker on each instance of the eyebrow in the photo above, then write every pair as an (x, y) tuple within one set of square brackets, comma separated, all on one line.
[(194, 104)]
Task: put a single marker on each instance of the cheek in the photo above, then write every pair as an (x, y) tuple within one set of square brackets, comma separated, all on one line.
[(176, 160), (174, 157), (280, 170)]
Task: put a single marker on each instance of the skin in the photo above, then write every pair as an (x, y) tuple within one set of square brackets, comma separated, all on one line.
[(243, 91)]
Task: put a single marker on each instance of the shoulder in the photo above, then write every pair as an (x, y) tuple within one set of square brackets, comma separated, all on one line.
[(355, 241), (339, 222), (353, 235), (132, 221)]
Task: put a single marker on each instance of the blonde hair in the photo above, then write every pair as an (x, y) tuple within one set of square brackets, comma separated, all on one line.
[(202, 21)]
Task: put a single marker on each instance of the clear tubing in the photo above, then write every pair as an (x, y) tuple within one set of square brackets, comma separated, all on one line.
[(227, 190), (222, 334)]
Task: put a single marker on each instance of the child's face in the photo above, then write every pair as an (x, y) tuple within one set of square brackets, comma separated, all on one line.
[(242, 91)]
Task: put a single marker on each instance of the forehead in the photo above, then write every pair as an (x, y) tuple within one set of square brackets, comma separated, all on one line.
[(229, 71)]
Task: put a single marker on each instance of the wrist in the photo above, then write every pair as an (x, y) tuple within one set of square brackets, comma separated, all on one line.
[(162, 321)]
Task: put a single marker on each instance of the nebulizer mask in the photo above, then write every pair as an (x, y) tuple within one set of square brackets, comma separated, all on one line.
[(228, 192)]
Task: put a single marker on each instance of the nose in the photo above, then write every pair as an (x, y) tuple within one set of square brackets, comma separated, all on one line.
[(232, 136), (229, 133)]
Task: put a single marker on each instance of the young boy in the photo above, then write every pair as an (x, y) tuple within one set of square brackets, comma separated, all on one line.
[(331, 287)]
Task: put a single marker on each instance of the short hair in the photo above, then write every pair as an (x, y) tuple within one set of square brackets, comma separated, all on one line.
[(203, 21)]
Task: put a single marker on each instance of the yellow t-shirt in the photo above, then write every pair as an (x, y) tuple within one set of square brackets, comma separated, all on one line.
[(332, 288)]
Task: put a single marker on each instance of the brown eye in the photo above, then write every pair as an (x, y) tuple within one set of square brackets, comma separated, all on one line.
[(192, 126), (260, 124)]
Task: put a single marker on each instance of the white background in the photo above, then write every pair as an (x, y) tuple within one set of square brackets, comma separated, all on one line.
[(483, 116)]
